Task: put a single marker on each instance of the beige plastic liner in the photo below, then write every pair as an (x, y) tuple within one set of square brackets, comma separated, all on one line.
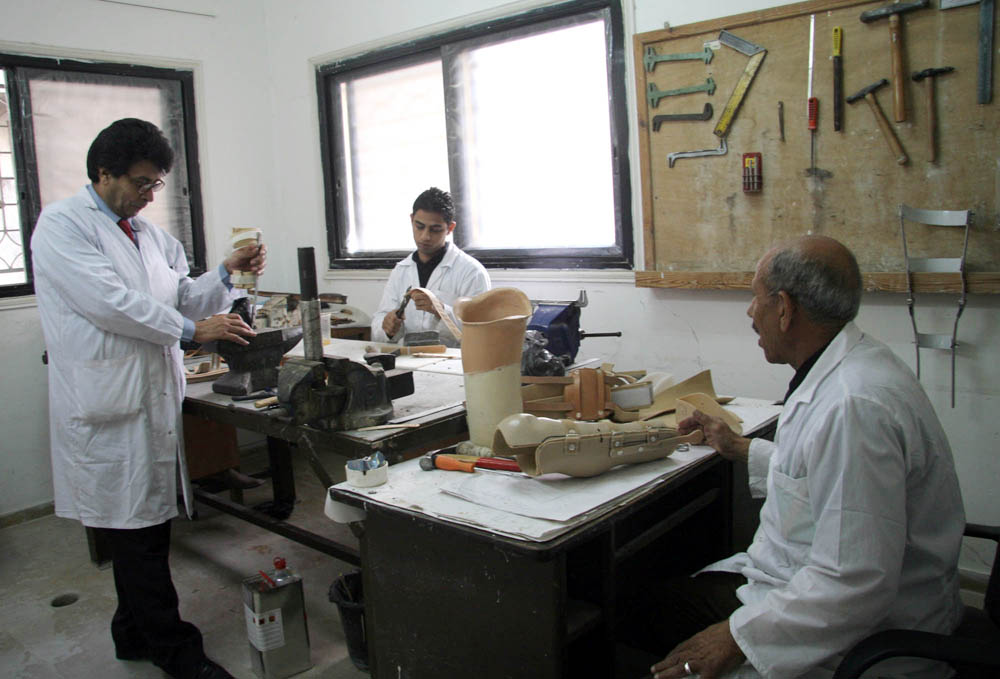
[(493, 325)]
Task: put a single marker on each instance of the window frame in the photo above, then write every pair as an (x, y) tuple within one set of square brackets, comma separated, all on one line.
[(620, 256), (25, 161)]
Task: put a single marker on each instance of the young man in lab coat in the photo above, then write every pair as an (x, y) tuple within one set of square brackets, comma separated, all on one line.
[(115, 300), (437, 265), (862, 523)]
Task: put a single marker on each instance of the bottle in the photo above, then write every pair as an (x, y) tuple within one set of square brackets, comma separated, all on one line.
[(282, 575)]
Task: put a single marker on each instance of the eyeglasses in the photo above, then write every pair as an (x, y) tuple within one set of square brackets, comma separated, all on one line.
[(142, 184)]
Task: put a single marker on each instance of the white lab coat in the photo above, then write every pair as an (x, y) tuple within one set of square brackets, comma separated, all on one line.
[(457, 275), (112, 316), (862, 523)]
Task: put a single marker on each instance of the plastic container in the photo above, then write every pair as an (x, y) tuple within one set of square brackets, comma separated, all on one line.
[(347, 592)]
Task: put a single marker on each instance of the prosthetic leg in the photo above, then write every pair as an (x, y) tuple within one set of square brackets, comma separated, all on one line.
[(493, 326), (543, 445)]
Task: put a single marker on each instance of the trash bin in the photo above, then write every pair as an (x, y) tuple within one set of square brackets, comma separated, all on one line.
[(347, 592)]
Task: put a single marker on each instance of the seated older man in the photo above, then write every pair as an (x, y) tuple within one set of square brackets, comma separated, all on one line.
[(862, 522)]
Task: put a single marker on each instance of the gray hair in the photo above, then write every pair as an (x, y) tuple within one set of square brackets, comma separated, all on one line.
[(828, 289)]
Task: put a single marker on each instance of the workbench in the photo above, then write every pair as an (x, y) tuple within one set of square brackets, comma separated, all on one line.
[(447, 599), (436, 406), (454, 588)]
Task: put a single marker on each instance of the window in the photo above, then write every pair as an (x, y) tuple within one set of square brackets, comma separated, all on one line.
[(50, 112), (523, 119)]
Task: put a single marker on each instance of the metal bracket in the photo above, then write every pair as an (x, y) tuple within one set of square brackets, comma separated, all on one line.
[(652, 58), (721, 151), (654, 95)]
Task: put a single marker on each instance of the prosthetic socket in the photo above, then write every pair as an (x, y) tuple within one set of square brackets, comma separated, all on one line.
[(492, 337), (544, 445)]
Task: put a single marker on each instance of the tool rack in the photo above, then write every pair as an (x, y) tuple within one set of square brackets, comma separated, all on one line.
[(701, 230)]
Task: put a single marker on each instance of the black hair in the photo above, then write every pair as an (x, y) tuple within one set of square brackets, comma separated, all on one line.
[(124, 143), (436, 200)]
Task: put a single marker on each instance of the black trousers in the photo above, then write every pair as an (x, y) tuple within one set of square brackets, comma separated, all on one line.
[(661, 615), (147, 624)]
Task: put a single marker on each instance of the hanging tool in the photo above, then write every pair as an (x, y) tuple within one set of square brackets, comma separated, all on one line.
[(896, 46), (753, 179), (984, 76), (781, 120), (868, 94), (652, 58), (838, 79), (984, 79), (812, 103), (756, 54), (654, 95), (706, 114), (929, 74)]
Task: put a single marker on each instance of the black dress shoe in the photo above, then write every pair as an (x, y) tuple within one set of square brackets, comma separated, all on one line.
[(211, 670)]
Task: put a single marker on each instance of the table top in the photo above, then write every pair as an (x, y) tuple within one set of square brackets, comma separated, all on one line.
[(437, 405)]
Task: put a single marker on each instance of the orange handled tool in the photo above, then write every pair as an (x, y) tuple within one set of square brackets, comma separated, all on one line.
[(446, 462)]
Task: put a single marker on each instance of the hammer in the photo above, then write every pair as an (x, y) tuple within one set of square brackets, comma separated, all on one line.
[(929, 74), (896, 45), (868, 93)]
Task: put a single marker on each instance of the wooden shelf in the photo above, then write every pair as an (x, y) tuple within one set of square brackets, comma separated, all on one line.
[(987, 283)]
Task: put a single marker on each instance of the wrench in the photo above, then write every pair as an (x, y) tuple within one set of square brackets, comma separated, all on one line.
[(654, 95), (651, 58), (721, 151), (706, 114)]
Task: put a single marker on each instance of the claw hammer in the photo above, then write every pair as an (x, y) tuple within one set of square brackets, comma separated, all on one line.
[(929, 74), (896, 47), (868, 94)]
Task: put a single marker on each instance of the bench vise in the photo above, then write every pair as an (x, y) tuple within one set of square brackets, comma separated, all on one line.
[(337, 394), (560, 323), (331, 392)]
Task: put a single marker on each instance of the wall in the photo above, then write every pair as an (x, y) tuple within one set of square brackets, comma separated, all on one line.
[(254, 68)]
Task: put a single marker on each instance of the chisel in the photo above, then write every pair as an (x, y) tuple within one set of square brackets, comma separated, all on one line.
[(838, 79)]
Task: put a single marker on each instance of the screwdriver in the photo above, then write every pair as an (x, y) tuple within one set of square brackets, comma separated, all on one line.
[(838, 79), (812, 103)]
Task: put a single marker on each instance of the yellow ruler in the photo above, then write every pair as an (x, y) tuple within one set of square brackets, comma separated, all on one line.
[(736, 98)]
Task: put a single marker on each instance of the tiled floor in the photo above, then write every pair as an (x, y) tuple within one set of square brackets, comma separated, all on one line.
[(47, 557)]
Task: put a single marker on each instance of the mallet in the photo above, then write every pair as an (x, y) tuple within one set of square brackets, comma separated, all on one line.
[(868, 94), (896, 46), (929, 74)]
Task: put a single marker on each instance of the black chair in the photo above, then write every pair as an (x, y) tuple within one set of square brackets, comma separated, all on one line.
[(973, 649)]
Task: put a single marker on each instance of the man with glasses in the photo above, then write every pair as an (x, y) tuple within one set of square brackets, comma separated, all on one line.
[(115, 300)]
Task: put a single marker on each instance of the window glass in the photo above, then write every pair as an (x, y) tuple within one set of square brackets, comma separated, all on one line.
[(535, 140), (69, 109), (393, 136), (11, 248)]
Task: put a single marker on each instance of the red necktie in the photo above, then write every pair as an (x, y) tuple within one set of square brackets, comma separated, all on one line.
[(127, 228)]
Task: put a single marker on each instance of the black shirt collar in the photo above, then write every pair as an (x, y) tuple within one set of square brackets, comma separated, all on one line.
[(425, 269), (800, 374)]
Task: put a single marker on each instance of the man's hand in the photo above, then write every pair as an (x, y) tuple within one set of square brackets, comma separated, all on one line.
[(423, 302), (391, 323), (717, 435), (223, 326), (252, 258), (709, 653)]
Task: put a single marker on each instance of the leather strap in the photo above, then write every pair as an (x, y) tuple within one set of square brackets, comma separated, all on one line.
[(444, 315)]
